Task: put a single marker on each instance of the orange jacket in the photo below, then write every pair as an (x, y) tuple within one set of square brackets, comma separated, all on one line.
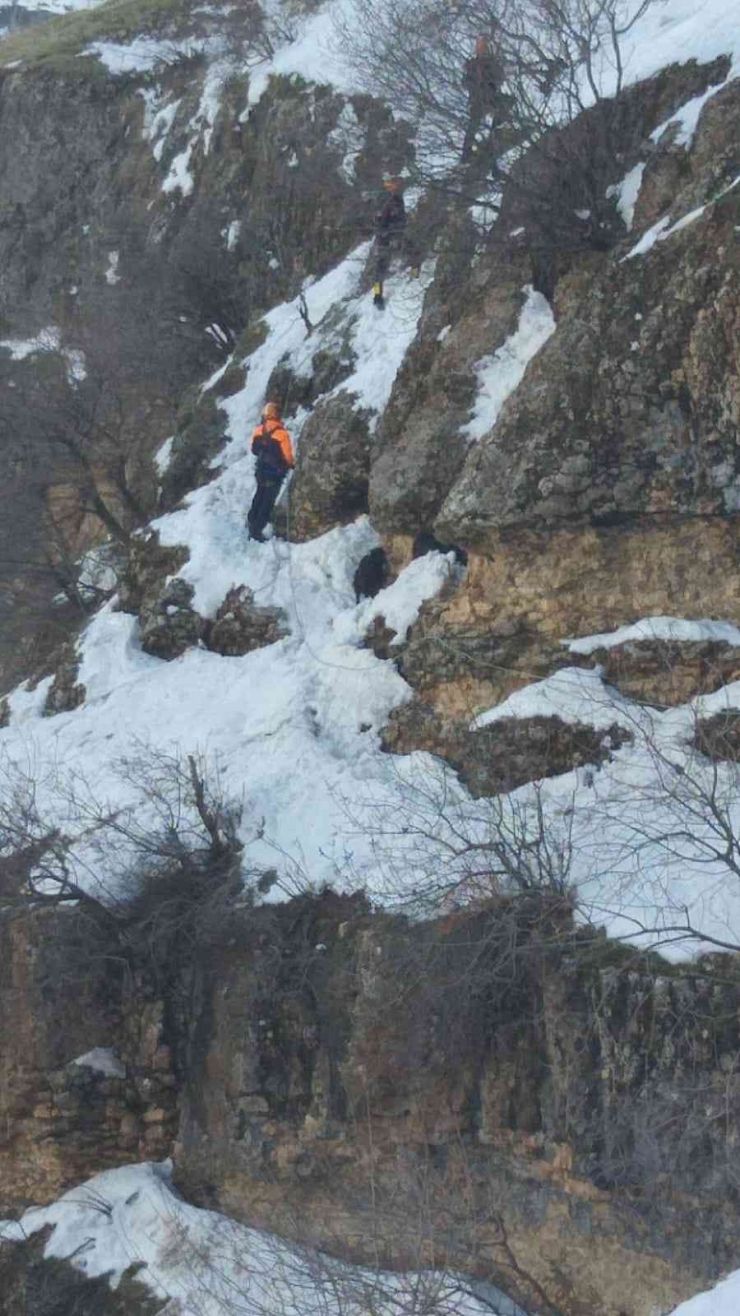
[(272, 446)]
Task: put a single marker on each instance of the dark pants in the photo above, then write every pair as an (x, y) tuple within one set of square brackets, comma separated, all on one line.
[(268, 488), (388, 245), (488, 114)]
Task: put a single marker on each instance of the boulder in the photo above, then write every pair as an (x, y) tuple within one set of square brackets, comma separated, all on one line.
[(241, 626), (718, 737), (171, 625), (330, 485)]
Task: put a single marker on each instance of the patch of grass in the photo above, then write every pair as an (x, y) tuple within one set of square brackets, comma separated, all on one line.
[(65, 37)]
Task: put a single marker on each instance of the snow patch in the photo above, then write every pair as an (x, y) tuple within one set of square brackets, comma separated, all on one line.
[(111, 274), (574, 694), (399, 604), (157, 120), (231, 234), (670, 629), (626, 194), (313, 55), (103, 1060), (203, 1261), (142, 54), (48, 340), (180, 178), (163, 455), (722, 1300), (499, 374), (349, 137)]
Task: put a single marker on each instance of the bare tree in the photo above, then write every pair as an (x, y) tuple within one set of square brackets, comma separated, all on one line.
[(557, 61)]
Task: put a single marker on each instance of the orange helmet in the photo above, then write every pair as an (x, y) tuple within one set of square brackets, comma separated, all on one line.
[(271, 411)]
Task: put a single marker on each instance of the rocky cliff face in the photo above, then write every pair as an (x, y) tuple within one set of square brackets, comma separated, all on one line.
[(514, 1087), (63, 999), (499, 1093)]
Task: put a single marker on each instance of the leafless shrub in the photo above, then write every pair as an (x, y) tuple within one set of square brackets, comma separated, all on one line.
[(439, 850), (162, 871), (239, 1272)]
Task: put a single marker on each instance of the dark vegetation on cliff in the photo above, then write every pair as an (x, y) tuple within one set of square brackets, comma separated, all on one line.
[(30, 1283)]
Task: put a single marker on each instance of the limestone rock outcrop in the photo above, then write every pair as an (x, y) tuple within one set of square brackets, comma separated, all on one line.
[(521, 1099), (631, 409), (63, 997), (498, 1079)]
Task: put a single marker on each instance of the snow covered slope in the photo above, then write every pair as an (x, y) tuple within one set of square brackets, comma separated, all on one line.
[(292, 730), (208, 1265), (722, 1300)]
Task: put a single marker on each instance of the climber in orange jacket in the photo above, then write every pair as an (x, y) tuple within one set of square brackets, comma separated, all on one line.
[(274, 452)]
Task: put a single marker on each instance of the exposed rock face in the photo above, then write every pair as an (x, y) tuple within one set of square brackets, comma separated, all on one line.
[(61, 996), (667, 672), (631, 408), (200, 436), (608, 398), (486, 1072), (502, 627), (241, 626), (148, 563), (505, 754), (65, 692), (421, 449), (527, 1096), (330, 485)]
